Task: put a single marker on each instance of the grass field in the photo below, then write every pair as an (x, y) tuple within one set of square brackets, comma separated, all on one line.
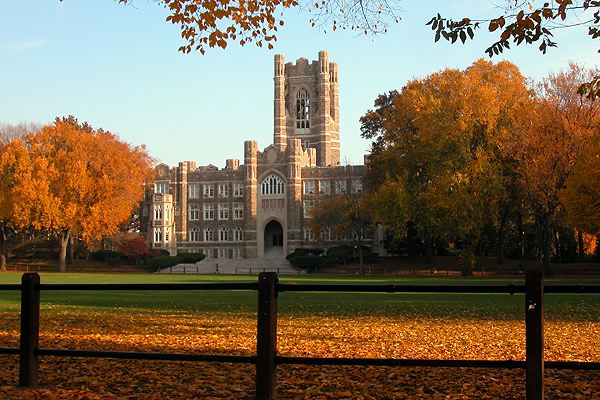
[(475, 326)]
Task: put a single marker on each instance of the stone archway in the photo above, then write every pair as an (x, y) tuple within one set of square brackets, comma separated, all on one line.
[(273, 238)]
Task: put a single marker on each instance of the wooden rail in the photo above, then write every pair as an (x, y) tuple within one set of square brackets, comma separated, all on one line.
[(266, 358)]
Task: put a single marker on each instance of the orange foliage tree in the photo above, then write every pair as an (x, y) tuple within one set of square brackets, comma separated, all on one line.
[(71, 180)]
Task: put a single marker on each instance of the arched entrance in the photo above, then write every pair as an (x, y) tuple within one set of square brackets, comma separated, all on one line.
[(273, 238)]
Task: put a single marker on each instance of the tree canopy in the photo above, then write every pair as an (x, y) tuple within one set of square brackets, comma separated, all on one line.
[(460, 152), (70, 179)]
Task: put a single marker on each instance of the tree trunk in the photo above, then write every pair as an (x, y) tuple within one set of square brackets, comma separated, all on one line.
[(71, 250), (500, 251), (580, 247), (62, 255), (546, 246), (361, 268), (521, 241), (3, 247), (428, 249)]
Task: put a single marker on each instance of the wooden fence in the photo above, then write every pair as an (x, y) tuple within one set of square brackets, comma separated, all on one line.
[(267, 359)]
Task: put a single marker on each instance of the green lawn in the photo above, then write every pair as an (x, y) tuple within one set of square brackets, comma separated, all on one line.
[(483, 306)]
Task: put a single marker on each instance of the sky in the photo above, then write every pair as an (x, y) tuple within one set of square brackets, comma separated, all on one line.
[(118, 67)]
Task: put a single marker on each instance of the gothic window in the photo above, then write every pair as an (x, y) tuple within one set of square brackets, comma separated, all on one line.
[(157, 212), (238, 234), (302, 109), (272, 185), (157, 235), (208, 235), (223, 234), (194, 234), (308, 234)]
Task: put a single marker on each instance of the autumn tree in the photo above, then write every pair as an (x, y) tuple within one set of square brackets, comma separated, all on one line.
[(547, 143), (70, 179), (525, 22), (434, 160), (346, 214), (10, 132)]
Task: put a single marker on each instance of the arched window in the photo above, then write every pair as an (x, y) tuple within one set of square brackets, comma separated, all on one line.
[(195, 234), (223, 234), (237, 234), (208, 235), (302, 109), (272, 185)]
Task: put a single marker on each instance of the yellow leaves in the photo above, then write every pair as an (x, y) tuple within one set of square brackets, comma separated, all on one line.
[(315, 336), (67, 173)]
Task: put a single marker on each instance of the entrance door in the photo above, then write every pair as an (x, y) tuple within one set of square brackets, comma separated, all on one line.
[(273, 238)]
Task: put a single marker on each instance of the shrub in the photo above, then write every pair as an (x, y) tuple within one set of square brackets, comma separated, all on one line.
[(305, 252), (161, 262), (307, 262), (191, 258), (159, 253), (105, 255)]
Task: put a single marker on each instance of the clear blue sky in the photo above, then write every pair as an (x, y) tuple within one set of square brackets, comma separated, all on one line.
[(118, 68)]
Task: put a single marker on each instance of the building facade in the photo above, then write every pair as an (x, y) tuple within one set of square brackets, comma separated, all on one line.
[(260, 207)]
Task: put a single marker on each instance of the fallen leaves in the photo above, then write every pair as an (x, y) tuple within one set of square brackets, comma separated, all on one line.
[(315, 336)]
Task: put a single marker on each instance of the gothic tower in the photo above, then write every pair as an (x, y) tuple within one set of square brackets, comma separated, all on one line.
[(306, 106)]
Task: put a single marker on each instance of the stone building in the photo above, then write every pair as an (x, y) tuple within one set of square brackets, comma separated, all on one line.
[(260, 207)]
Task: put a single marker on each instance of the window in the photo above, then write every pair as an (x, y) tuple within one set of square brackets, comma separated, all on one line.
[(308, 206), (237, 253), (223, 234), (238, 190), (158, 212), (357, 187), (326, 234), (238, 210), (224, 190), (193, 190), (208, 253), (194, 234), (324, 187), (309, 187), (157, 235), (308, 234), (209, 212), (161, 187), (223, 253), (208, 235), (238, 234), (194, 214), (223, 211), (302, 109), (167, 212), (167, 234), (272, 185), (209, 191), (340, 186)]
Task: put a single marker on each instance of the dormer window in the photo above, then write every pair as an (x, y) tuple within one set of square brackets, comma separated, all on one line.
[(302, 109)]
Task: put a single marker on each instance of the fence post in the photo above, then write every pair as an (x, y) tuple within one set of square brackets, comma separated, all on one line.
[(30, 329), (534, 331), (266, 336)]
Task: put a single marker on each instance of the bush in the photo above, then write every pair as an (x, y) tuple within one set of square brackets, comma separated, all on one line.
[(340, 254), (159, 253), (191, 258), (156, 263), (305, 252), (105, 255)]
